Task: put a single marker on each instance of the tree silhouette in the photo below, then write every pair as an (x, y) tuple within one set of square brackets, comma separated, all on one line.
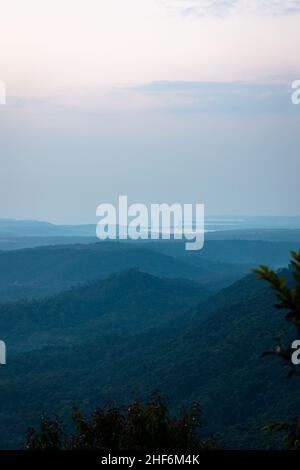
[(142, 427)]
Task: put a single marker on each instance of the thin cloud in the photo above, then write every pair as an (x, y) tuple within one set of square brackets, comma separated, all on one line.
[(221, 97), (226, 7)]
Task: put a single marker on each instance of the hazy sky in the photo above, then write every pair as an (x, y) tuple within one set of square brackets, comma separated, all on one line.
[(162, 100)]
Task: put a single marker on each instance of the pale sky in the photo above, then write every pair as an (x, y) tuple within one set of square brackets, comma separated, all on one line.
[(163, 100), (60, 44)]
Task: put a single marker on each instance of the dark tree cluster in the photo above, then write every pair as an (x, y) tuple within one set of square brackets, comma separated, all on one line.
[(142, 427)]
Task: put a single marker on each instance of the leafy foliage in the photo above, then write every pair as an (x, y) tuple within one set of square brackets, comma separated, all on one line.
[(288, 298), (290, 431), (142, 427)]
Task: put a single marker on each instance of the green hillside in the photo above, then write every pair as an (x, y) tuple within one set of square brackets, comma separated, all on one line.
[(211, 353), (44, 271)]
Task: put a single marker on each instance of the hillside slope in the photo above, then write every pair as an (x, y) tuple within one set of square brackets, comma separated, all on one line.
[(213, 356), (131, 301), (44, 271)]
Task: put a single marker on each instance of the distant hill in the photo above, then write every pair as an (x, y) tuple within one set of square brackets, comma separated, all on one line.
[(211, 353), (35, 228), (230, 251), (19, 243), (218, 227), (241, 252), (131, 301), (262, 234), (43, 271)]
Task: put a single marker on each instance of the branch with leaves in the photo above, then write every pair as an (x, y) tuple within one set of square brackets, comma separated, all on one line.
[(288, 299)]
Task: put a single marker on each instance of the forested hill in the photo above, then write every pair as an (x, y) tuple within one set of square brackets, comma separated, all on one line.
[(210, 352), (43, 271), (131, 301)]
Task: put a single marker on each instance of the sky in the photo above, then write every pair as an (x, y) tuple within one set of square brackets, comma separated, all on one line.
[(162, 100)]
